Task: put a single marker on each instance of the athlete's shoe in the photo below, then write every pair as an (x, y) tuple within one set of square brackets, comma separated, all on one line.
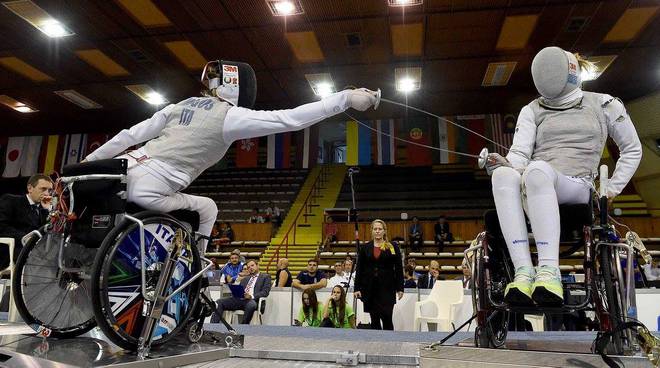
[(519, 292), (547, 289)]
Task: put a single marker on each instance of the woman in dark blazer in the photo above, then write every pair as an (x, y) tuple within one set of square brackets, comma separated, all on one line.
[(379, 276)]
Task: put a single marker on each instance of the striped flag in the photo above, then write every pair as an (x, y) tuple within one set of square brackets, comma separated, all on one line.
[(51, 154), (502, 132), (74, 149), (279, 151), (31, 153), (385, 142), (358, 144)]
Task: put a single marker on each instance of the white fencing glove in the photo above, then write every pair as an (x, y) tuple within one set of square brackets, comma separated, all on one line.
[(494, 161), (361, 99)]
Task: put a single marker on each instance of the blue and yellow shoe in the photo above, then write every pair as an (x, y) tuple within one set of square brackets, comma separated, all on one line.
[(519, 292), (547, 289)]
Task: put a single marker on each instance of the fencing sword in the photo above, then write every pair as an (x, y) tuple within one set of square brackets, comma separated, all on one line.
[(482, 157)]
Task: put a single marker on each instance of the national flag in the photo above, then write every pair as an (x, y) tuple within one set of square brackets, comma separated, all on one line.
[(74, 149), (417, 136), (502, 132), (307, 147), (443, 141), (50, 158), (385, 145), (14, 156), (469, 142), (31, 155), (247, 152), (279, 151), (358, 144), (94, 141)]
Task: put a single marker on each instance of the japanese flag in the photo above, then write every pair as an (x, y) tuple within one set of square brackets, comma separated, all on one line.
[(14, 156)]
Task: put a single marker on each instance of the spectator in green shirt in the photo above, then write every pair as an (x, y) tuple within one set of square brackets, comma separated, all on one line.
[(311, 313), (337, 313)]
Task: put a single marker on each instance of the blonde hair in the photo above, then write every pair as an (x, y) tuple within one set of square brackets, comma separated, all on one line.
[(586, 65), (384, 228)]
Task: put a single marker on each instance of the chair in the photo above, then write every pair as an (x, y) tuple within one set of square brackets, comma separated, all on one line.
[(229, 315), (446, 296), (537, 321), (12, 308)]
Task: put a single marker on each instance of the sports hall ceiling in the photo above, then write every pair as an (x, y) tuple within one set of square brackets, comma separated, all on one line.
[(358, 42)]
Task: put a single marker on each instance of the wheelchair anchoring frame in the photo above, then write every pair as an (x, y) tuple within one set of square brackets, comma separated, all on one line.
[(199, 274)]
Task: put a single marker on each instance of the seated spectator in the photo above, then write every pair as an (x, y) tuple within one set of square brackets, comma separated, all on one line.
[(312, 278), (428, 280), (336, 312), (330, 232), (413, 262), (226, 235), (338, 278), (651, 271), (257, 286), (20, 214), (442, 234), (467, 275), (241, 257), (214, 244), (311, 312), (409, 280), (276, 216), (232, 270), (255, 218), (348, 266), (416, 238), (283, 276)]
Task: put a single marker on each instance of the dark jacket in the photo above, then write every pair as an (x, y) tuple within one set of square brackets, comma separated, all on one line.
[(17, 218), (261, 286), (378, 280)]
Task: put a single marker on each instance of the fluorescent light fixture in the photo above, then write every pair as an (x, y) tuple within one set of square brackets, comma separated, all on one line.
[(147, 93), (78, 99), (282, 8), (399, 3), (38, 18), (408, 79), (321, 84), (16, 105), (601, 63)]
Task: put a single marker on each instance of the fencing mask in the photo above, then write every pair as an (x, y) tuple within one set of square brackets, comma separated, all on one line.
[(232, 81), (555, 72)]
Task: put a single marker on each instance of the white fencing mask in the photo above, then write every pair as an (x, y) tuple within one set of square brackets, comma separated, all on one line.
[(556, 72)]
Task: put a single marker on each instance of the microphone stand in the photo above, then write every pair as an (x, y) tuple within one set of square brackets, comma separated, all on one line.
[(353, 213)]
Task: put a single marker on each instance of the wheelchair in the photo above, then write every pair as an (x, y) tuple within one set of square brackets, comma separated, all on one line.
[(136, 274), (608, 289)]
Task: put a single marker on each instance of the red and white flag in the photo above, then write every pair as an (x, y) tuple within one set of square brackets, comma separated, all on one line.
[(14, 156), (94, 141)]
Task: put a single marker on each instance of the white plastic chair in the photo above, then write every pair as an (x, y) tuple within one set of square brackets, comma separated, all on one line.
[(446, 296), (229, 315), (10, 269), (536, 321)]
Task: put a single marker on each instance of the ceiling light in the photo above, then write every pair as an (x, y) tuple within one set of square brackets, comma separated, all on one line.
[(16, 105), (408, 79), (282, 8), (404, 2), (37, 17), (321, 84), (78, 99), (147, 93), (53, 28), (155, 98)]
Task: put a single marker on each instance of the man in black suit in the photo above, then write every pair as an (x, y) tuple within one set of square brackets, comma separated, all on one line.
[(20, 214), (428, 280), (257, 286)]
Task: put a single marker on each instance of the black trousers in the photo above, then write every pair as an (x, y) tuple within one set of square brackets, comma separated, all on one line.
[(385, 317), (248, 306)]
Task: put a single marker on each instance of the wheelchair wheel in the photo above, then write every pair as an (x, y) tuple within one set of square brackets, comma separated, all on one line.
[(117, 288), (492, 324), (613, 298), (53, 302)]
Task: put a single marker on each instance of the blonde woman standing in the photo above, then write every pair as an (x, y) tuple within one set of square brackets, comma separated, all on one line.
[(379, 276)]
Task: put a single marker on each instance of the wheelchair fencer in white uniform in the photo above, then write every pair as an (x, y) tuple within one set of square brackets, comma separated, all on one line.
[(557, 145)]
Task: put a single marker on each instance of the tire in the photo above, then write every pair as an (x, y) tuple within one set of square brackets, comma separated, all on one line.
[(54, 303), (116, 274), (492, 329), (615, 346)]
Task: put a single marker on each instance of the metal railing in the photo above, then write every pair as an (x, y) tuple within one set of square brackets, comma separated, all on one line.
[(305, 211)]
